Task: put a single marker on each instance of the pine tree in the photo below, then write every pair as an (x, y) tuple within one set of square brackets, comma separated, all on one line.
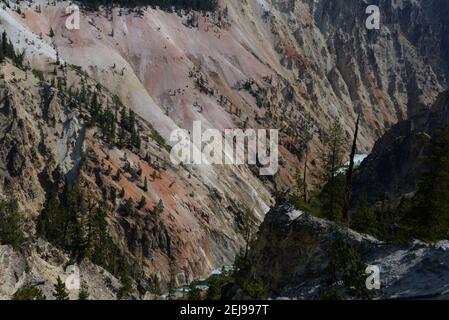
[(95, 109), (346, 266), (159, 208), (145, 185), (364, 220), (172, 281), (107, 125), (118, 175), (51, 222), (125, 279), (332, 159), (428, 216), (135, 138), (124, 123), (127, 208), (75, 232), (300, 198), (11, 223), (122, 193), (131, 121), (84, 292), (214, 290), (60, 292), (4, 43), (304, 178), (155, 286), (248, 229), (103, 250), (194, 293), (7, 50), (142, 203), (2, 54), (122, 136)]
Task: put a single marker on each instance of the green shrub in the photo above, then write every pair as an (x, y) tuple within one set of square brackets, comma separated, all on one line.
[(331, 294), (38, 74), (28, 293), (347, 267), (364, 220), (426, 216), (194, 293), (11, 223)]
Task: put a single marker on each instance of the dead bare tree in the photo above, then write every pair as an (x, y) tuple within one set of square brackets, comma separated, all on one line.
[(349, 174)]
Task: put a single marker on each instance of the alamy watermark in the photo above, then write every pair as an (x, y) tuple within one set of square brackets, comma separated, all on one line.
[(373, 280), (72, 282), (373, 20), (72, 21), (228, 147)]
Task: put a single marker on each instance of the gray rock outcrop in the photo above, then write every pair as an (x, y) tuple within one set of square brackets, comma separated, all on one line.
[(292, 254)]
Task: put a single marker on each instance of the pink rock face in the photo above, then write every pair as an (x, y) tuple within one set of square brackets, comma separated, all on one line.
[(252, 64)]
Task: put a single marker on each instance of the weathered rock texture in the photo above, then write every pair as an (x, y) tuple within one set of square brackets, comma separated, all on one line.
[(40, 264), (398, 160), (291, 65), (293, 251)]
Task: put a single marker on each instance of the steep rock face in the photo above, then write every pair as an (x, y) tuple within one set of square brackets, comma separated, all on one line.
[(293, 250), (40, 264), (303, 63), (397, 70), (291, 65), (398, 158), (49, 142)]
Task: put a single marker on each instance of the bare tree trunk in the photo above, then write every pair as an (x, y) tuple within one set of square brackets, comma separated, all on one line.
[(304, 179), (332, 179), (348, 186)]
